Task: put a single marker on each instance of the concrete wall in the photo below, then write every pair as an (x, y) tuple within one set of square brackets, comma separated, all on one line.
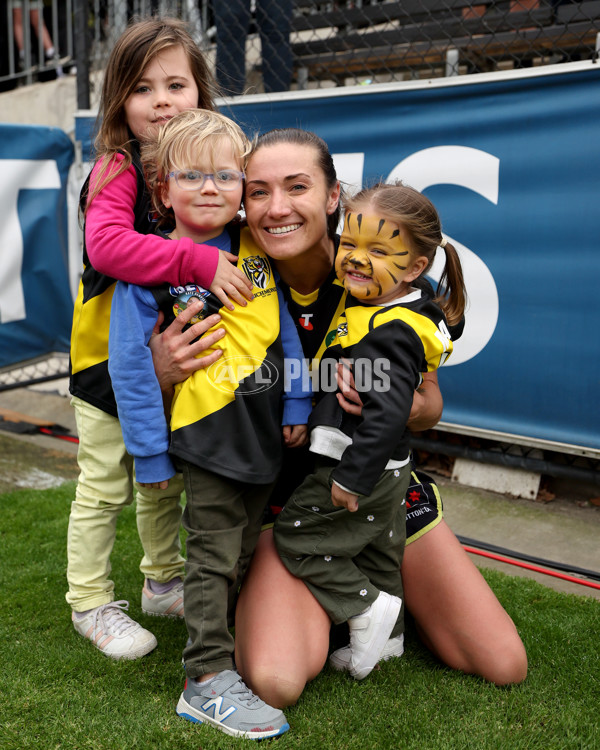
[(52, 103)]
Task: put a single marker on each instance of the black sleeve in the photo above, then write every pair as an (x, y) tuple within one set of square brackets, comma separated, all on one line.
[(395, 351)]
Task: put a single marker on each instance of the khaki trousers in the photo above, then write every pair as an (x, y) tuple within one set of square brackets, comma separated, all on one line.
[(104, 488)]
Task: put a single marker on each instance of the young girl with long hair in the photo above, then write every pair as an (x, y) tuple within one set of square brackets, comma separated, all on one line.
[(155, 71)]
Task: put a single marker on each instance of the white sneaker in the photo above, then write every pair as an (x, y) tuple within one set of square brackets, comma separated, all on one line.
[(115, 633), (369, 633), (169, 604), (340, 659)]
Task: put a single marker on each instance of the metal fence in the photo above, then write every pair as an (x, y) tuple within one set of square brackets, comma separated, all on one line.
[(36, 41), (273, 45)]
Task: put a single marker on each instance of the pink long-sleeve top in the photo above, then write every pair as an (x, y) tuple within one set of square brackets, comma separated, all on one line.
[(117, 250)]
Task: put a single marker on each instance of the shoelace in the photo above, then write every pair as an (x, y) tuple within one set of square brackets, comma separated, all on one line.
[(245, 695), (111, 616)]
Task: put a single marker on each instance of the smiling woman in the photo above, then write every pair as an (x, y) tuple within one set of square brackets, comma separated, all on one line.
[(292, 207)]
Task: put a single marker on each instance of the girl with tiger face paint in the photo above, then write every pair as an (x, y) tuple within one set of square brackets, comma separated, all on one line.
[(374, 262), (391, 235)]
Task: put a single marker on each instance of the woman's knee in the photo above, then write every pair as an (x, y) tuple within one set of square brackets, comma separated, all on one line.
[(509, 666), (277, 689)]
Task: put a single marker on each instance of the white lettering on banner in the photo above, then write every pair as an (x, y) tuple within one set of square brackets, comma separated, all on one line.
[(478, 171), (18, 174), (349, 168)]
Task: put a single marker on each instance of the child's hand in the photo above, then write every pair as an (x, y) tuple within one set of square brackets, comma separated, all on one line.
[(295, 436), (155, 485), (343, 499), (229, 281)]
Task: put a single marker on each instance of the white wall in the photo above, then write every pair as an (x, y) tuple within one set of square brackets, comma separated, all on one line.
[(52, 104)]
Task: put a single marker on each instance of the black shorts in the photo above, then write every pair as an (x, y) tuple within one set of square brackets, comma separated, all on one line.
[(423, 500), (423, 505)]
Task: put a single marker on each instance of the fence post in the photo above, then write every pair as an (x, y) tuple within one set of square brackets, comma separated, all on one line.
[(452, 61), (82, 58)]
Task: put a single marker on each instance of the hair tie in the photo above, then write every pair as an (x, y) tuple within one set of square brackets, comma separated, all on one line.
[(443, 242)]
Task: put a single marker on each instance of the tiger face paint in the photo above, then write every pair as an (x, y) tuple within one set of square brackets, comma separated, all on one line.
[(373, 261)]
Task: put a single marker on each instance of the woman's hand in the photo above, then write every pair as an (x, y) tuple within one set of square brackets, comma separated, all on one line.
[(347, 397), (230, 282), (173, 353)]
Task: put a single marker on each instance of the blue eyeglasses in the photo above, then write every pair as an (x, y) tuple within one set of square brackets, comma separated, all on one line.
[(192, 179)]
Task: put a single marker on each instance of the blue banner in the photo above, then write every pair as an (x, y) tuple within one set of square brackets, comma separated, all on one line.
[(36, 305), (512, 164)]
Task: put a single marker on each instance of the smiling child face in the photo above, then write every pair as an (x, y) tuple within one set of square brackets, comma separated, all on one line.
[(374, 262)]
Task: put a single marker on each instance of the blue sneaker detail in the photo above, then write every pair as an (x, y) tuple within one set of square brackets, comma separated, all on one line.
[(229, 705)]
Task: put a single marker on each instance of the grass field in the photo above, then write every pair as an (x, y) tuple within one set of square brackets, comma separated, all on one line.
[(57, 691)]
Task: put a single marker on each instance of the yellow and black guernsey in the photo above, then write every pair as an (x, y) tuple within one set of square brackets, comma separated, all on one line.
[(225, 418), (387, 347), (89, 378)]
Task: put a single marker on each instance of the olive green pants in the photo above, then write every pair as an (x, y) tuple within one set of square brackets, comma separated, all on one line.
[(222, 518), (346, 558)]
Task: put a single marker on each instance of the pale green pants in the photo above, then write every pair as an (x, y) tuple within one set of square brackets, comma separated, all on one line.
[(104, 488)]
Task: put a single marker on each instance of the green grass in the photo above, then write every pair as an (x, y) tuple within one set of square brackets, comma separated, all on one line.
[(57, 691)]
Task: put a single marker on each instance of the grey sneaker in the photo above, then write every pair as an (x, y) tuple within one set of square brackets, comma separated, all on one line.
[(226, 703), (115, 633), (163, 605), (340, 659), (369, 633)]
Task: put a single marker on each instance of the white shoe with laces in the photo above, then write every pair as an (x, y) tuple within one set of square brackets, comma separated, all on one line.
[(340, 659), (369, 633), (115, 633)]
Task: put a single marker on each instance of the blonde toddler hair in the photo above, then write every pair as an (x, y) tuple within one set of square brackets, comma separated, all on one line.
[(178, 142)]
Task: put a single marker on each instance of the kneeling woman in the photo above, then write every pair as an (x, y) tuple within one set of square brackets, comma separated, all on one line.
[(282, 633)]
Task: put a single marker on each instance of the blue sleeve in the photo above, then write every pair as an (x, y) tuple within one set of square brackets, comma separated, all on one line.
[(297, 392), (139, 398)]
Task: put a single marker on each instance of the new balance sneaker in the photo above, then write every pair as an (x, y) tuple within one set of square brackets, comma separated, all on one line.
[(226, 703), (340, 659), (169, 604), (115, 633), (369, 633)]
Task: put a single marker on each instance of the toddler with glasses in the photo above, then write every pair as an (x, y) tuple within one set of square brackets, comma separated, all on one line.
[(224, 428)]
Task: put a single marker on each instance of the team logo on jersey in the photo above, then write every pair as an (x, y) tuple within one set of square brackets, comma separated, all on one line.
[(342, 329), (257, 270), (330, 337), (305, 321)]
